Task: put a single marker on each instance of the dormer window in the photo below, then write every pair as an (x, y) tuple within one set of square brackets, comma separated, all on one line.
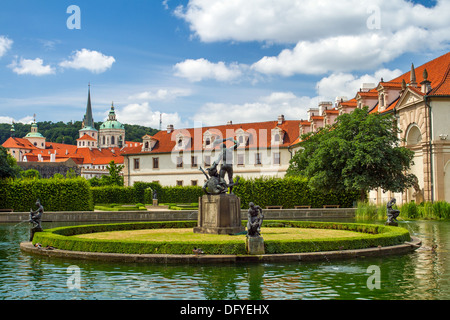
[(277, 136), (242, 137), (182, 139), (148, 143), (209, 137)]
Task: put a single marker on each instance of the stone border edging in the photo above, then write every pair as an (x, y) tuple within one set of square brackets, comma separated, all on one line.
[(406, 247), (172, 215)]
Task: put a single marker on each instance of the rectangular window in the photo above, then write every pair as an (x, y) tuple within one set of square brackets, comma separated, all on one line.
[(155, 163), (179, 162), (277, 158), (207, 161), (180, 183), (258, 159), (240, 159), (194, 182), (194, 161), (136, 164)]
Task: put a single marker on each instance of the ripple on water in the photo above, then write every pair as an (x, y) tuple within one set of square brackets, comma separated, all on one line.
[(420, 275)]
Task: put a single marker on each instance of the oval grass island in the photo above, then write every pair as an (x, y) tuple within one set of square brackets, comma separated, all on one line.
[(175, 242)]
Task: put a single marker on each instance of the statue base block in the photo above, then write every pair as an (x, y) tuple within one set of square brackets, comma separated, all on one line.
[(219, 214), (255, 245)]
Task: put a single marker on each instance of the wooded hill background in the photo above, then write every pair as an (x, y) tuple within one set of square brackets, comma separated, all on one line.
[(67, 133)]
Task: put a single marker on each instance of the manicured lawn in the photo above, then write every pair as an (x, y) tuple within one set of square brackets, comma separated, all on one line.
[(167, 235)]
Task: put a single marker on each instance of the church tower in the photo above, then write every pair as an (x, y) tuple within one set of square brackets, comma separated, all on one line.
[(88, 133), (37, 139), (112, 132)]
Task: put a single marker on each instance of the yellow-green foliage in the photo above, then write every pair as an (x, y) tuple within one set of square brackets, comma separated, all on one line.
[(289, 192), (61, 239), (54, 194)]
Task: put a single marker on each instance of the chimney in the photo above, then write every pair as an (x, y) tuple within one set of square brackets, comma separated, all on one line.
[(229, 123), (280, 119), (170, 128), (366, 87)]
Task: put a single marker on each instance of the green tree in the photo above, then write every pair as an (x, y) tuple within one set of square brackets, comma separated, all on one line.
[(31, 174), (114, 173), (361, 151), (8, 165)]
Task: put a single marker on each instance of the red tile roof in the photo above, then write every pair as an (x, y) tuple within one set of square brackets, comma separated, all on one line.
[(87, 137), (260, 136), (18, 143)]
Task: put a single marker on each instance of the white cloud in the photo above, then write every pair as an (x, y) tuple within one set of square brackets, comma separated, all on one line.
[(264, 109), (142, 114), (162, 94), (25, 120), (32, 67), (202, 69), (343, 53), (346, 84), (93, 61), (329, 36), (5, 45)]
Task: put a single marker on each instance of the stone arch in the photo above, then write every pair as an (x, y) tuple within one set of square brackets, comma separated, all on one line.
[(414, 139), (413, 135)]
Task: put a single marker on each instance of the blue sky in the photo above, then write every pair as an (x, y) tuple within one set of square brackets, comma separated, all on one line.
[(205, 61)]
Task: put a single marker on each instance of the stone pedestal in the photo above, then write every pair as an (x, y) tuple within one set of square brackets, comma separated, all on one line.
[(255, 245), (155, 202), (219, 214)]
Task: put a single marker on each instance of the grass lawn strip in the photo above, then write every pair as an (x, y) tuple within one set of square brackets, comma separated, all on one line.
[(167, 235)]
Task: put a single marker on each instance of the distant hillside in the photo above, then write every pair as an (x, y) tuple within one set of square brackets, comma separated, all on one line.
[(61, 132)]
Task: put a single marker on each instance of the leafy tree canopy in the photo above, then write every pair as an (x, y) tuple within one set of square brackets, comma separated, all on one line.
[(361, 151), (8, 165)]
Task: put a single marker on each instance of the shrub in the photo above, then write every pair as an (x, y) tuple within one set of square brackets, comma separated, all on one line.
[(409, 210), (54, 194), (114, 194), (289, 192), (59, 238)]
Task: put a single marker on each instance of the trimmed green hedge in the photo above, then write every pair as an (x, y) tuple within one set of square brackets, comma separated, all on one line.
[(54, 194), (114, 194), (289, 192), (61, 238)]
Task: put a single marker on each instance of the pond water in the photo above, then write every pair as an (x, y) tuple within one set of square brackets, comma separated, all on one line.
[(421, 275)]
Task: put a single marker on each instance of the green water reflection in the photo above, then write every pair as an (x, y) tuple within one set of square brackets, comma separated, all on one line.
[(424, 274)]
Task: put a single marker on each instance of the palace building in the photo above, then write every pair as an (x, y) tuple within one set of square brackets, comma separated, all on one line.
[(419, 99)]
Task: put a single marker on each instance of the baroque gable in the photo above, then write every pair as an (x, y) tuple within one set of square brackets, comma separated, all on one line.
[(409, 98)]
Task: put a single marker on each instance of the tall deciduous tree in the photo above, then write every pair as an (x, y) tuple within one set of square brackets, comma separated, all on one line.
[(8, 165), (361, 151)]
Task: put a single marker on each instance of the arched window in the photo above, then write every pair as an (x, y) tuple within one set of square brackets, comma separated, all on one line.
[(113, 140), (413, 136), (180, 142), (146, 145), (276, 138)]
